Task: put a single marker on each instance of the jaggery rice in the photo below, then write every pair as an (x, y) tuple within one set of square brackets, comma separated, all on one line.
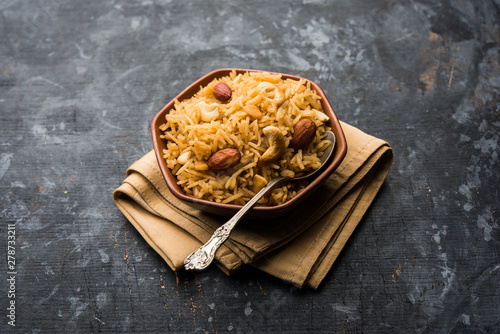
[(199, 126)]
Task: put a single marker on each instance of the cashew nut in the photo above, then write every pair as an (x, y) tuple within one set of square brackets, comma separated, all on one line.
[(276, 93), (252, 111), (266, 86), (200, 165), (184, 157), (259, 182), (277, 144), (209, 112), (321, 116)]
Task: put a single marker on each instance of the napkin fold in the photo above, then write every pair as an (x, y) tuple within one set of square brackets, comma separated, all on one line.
[(299, 247)]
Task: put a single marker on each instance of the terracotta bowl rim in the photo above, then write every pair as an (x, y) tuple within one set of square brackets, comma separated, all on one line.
[(225, 209)]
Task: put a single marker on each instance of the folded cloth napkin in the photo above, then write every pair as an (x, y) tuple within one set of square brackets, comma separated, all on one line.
[(299, 247)]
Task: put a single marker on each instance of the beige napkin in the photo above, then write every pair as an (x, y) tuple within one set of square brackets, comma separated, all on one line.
[(299, 247)]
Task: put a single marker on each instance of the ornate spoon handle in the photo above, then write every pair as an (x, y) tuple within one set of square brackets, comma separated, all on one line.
[(203, 256)]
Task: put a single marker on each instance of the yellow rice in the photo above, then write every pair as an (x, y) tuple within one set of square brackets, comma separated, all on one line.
[(282, 104)]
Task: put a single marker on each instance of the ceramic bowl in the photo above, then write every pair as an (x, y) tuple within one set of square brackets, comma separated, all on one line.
[(230, 209)]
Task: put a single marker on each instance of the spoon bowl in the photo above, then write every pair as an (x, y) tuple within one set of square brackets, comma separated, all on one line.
[(330, 136), (203, 256)]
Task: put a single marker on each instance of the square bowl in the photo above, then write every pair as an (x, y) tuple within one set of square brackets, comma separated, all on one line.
[(160, 144)]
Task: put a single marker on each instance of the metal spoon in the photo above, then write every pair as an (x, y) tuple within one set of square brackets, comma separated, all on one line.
[(203, 256)]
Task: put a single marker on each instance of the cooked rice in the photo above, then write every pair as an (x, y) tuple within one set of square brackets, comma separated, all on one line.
[(193, 136)]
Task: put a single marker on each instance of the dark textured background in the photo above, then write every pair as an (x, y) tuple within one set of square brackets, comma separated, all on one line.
[(80, 82)]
